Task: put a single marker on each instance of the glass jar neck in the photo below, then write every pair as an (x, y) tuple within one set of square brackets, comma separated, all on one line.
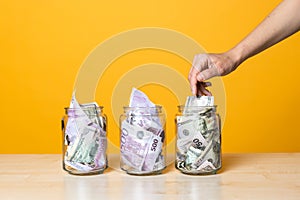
[(143, 110), (196, 109), (88, 110)]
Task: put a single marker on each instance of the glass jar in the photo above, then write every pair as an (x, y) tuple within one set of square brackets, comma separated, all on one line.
[(198, 140), (84, 140), (142, 140)]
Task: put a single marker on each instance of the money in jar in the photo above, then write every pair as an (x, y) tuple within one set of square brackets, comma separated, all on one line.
[(198, 137), (84, 139), (142, 140)]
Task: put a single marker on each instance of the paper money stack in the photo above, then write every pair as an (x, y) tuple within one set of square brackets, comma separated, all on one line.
[(85, 139), (142, 136), (198, 137)]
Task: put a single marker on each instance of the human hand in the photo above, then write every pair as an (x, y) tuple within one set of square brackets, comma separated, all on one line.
[(206, 66)]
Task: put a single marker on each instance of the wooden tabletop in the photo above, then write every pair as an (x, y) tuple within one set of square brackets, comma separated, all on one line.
[(243, 176)]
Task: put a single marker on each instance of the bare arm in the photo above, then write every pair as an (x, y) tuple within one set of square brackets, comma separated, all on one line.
[(282, 22)]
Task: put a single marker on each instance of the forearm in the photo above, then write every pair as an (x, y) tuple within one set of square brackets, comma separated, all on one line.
[(282, 22)]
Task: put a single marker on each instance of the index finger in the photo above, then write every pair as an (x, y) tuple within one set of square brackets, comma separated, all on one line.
[(193, 70), (193, 82)]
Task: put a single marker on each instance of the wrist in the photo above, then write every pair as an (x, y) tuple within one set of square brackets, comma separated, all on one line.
[(236, 55)]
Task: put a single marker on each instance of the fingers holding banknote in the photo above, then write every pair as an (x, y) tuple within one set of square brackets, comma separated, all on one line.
[(201, 87), (206, 66)]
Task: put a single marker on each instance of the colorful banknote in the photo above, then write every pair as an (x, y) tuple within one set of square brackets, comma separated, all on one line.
[(85, 137), (142, 136)]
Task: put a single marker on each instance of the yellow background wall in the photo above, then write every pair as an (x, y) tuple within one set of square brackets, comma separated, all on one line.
[(43, 44)]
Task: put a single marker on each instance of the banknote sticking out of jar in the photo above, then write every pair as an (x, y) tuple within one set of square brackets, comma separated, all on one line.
[(142, 136), (198, 137), (84, 139)]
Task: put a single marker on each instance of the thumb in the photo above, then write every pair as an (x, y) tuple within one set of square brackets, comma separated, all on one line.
[(207, 74)]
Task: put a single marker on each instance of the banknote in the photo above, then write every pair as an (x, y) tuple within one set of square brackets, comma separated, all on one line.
[(78, 166), (92, 110), (192, 155), (193, 101), (77, 120), (212, 156), (155, 147), (139, 99), (189, 133), (134, 144), (160, 162), (85, 137), (199, 101), (142, 135), (140, 148), (200, 159), (206, 166), (198, 136)]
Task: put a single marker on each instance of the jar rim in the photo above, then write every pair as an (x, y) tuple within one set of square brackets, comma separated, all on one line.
[(183, 106), (143, 110), (142, 107), (68, 108)]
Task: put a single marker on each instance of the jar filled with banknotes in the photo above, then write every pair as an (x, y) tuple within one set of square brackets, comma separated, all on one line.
[(198, 142), (84, 139), (142, 140)]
